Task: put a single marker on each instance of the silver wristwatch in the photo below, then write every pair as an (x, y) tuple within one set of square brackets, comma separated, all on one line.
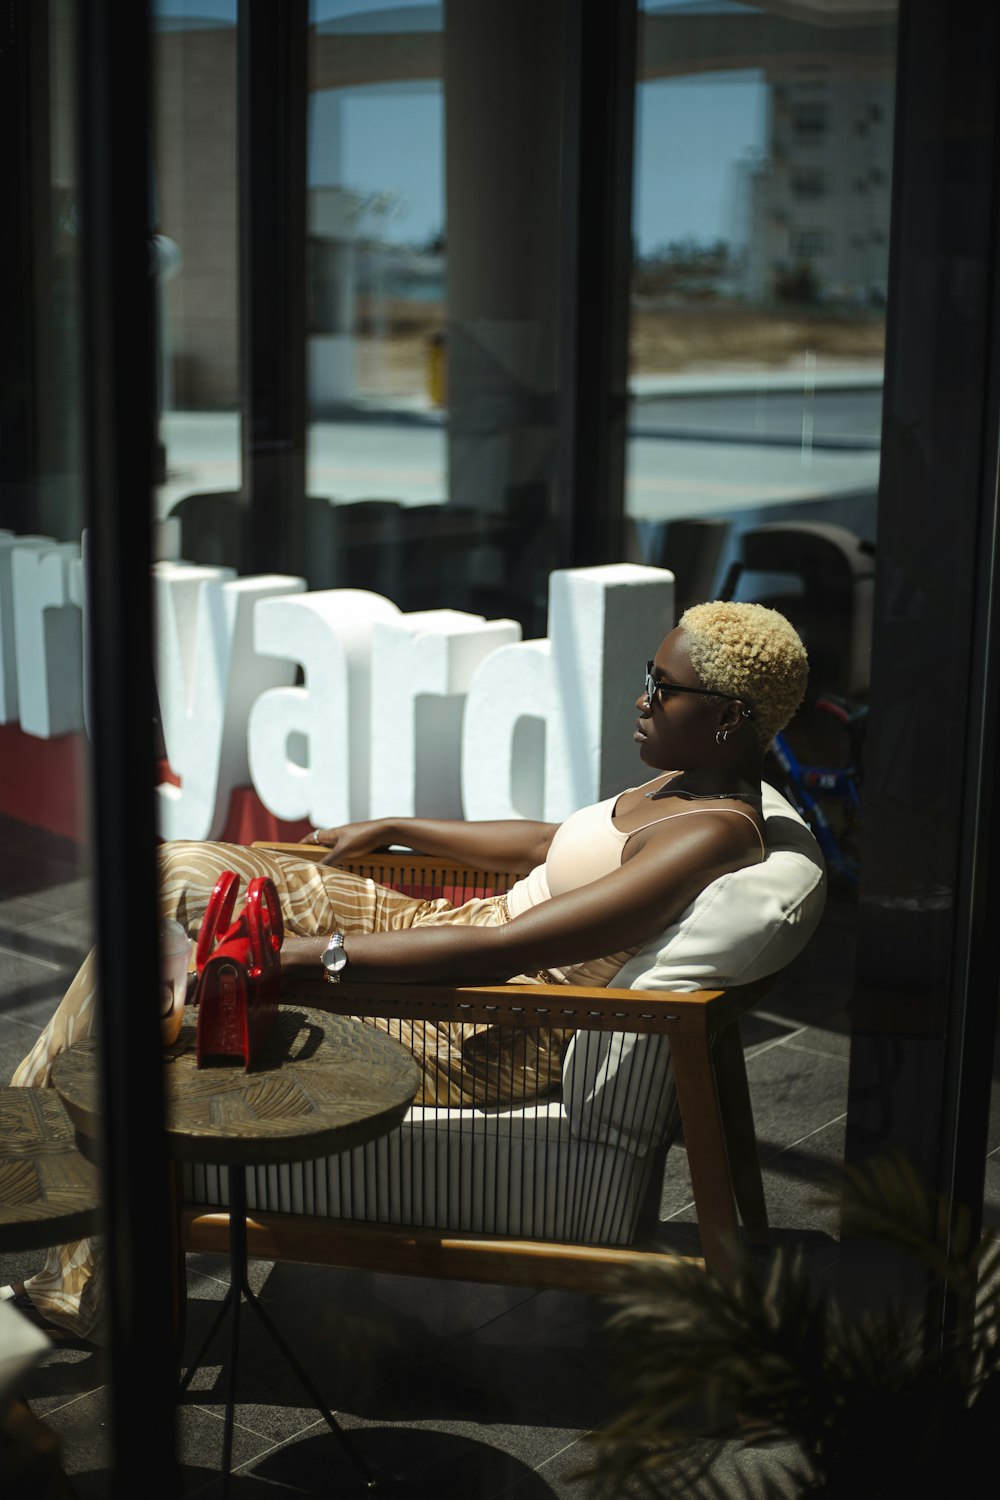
[(334, 959)]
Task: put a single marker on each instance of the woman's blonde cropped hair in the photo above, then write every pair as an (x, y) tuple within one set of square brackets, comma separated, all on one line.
[(752, 653)]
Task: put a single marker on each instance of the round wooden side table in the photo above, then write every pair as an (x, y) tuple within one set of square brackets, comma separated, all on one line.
[(321, 1084), (48, 1190)]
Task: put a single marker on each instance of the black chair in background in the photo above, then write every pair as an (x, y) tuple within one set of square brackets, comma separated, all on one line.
[(822, 577), (691, 548)]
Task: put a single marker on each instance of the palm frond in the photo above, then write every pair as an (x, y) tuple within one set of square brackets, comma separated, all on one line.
[(708, 1362), (886, 1201)]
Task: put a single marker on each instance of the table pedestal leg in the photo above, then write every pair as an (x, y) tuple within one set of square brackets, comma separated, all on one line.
[(239, 1289)]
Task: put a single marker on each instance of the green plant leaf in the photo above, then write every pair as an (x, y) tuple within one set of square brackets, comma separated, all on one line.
[(773, 1357)]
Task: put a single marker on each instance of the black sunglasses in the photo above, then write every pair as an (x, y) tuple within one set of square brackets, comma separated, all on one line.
[(659, 686)]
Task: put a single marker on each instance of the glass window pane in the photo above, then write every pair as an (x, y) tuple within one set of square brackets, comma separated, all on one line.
[(432, 333), (761, 218), (46, 916), (196, 215)]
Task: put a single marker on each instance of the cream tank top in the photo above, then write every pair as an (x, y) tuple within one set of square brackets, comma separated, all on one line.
[(588, 846)]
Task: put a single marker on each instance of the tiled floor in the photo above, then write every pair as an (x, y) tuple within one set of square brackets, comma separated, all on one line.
[(457, 1390)]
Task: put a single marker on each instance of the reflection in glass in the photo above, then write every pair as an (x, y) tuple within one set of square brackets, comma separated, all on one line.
[(195, 257), (376, 285), (761, 224), (41, 566), (433, 337), (45, 885)]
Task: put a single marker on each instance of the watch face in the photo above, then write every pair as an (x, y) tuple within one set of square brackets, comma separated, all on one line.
[(335, 959)]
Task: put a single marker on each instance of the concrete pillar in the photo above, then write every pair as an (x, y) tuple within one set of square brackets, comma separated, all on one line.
[(503, 68)]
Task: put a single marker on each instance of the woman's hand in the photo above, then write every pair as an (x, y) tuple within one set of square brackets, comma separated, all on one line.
[(349, 841), (508, 844)]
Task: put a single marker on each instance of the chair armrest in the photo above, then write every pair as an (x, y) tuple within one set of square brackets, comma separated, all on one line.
[(525, 1005), (407, 867), (529, 1005)]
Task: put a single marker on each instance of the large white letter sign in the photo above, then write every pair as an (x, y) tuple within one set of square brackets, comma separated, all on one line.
[(78, 593), (8, 656), (47, 639), (309, 746), (616, 615), (208, 675), (579, 687), (422, 666)]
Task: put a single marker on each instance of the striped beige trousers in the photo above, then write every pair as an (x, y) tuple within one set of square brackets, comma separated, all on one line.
[(462, 1065)]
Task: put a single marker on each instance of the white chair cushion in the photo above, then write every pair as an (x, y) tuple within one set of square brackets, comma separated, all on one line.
[(618, 1088), (745, 925)]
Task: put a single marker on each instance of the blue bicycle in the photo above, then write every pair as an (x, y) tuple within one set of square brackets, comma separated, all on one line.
[(829, 797)]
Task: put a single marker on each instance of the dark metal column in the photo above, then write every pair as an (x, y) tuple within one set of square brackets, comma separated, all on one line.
[(926, 1004), (23, 111), (503, 67), (272, 189), (116, 287), (598, 136)]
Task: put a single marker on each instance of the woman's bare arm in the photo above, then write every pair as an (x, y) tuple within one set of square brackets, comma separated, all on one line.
[(506, 844), (622, 910)]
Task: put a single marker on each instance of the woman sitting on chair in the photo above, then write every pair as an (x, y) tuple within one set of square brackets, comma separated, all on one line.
[(601, 885)]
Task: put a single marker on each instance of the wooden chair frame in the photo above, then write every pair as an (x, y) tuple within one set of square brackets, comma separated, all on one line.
[(713, 1098)]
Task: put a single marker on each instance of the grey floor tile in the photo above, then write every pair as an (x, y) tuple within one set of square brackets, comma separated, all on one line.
[(820, 981), (268, 1279), (679, 1234), (16, 1040), (832, 1037), (563, 1475), (15, 1265), (793, 1092), (436, 1311), (991, 1196), (765, 1030), (40, 845), (83, 1431), (53, 883), (676, 1191), (30, 1011), (70, 1370), (13, 832), (993, 1129), (63, 939), (797, 1085), (739, 1471), (17, 912), (34, 1007), (211, 1278), (800, 1183), (571, 1320), (270, 1401), (353, 1331), (95, 1485), (23, 977), (199, 1447), (812, 1000), (81, 1427), (273, 1421), (541, 1364), (418, 1460)]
